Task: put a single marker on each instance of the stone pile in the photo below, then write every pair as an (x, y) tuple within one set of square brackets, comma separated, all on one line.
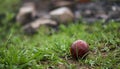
[(32, 15)]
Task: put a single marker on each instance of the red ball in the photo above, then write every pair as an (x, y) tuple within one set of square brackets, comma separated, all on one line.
[(79, 49)]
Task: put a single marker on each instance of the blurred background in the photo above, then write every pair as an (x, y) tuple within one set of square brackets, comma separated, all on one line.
[(30, 14)]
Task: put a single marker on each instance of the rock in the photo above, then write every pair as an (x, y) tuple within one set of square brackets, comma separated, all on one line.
[(62, 15), (101, 16), (34, 26), (42, 21), (60, 3), (26, 13), (92, 12), (89, 20), (92, 8), (77, 15), (40, 4), (83, 1), (113, 15), (88, 13)]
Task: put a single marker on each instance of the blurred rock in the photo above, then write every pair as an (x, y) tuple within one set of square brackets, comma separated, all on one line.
[(26, 14), (34, 26), (101, 16), (88, 13), (83, 1), (77, 16), (43, 5), (63, 3), (90, 20), (113, 15), (62, 15), (42, 21), (95, 11), (90, 9)]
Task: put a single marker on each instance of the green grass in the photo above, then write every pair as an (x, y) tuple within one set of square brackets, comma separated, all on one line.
[(45, 51)]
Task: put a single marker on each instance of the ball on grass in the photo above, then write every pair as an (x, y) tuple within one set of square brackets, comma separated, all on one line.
[(79, 49)]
